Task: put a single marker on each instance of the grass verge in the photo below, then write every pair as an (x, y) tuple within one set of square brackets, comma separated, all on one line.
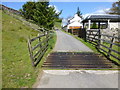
[(58, 25), (114, 47), (0, 50)]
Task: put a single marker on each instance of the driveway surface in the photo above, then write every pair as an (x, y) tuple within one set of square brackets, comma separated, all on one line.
[(78, 79), (67, 43)]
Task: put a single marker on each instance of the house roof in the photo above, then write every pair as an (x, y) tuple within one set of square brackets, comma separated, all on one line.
[(75, 18), (102, 18)]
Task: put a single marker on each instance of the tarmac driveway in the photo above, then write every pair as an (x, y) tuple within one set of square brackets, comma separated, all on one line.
[(67, 43), (78, 79)]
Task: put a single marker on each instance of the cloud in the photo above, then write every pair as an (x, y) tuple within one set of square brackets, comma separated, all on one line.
[(64, 21), (56, 9), (98, 12), (101, 11)]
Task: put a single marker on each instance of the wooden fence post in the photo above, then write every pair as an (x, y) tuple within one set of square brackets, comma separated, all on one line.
[(31, 52), (72, 31), (47, 37), (39, 41), (87, 35), (109, 52), (99, 37), (84, 30)]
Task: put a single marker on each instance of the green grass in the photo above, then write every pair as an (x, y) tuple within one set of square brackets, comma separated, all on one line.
[(0, 49), (22, 19), (58, 25), (114, 47), (17, 70)]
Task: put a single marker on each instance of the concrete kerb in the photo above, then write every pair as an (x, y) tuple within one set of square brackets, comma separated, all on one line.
[(66, 72)]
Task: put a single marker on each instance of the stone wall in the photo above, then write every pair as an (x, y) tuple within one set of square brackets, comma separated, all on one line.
[(9, 9), (110, 32)]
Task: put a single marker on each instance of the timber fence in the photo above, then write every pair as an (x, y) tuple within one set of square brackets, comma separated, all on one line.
[(37, 47)]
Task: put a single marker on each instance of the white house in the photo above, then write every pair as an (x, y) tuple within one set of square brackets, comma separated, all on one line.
[(75, 22)]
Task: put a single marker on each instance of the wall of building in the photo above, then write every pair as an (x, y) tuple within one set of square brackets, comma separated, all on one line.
[(75, 22), (114, 25)]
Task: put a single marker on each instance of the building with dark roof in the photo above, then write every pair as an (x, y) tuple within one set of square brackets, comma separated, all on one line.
[(111, 21)]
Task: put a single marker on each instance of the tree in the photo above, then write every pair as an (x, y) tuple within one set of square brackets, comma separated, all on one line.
[(28, 10), (115, 8), (79, 13), (41, 13)]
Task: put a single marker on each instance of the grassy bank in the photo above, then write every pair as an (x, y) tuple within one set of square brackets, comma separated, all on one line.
[(58, 25), (0, 49), (17, 70)]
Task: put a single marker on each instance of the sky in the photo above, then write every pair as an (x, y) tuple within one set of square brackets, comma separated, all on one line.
[(70, 8)]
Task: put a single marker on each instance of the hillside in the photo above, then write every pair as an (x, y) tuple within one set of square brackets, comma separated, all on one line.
[(16, 65), (0, 50)]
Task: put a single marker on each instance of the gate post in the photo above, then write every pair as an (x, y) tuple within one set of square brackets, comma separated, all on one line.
[(109, 52), (31, 52), (99, 37), (47, 38), (39, 40), (84, 30)]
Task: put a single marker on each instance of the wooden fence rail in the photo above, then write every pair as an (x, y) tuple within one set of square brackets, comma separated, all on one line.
[(94, 37), (37, 51)]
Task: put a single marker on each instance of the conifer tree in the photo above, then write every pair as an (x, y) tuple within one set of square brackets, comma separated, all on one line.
[(79, 13), (41, 13)]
